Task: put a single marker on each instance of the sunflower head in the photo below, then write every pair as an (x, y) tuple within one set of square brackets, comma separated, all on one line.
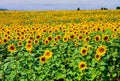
[(48, 54), (28, 47), (97, 57), (97, 38), (42, 59), (54, 44), (72, 36), (19, 43), (49, 38), (101, 50), (80, 37), (82, 65), (59, 37), (36, 41), (46, 41), (83, 51), (38, 36), (65, 38), (11, 48), (5, 40), (105, 38)]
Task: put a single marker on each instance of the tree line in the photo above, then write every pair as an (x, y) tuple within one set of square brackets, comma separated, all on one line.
[(104, 8)]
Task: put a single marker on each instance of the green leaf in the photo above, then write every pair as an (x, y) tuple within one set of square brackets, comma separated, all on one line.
[(114, 75), (102, 68)]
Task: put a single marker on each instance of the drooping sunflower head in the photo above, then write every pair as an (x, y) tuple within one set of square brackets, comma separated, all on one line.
[(101, 50), (82, 65), (83, 51), (42, 59), (48, 54), (11, 48)]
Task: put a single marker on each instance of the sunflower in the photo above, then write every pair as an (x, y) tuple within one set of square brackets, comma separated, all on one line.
[(22, 38), (72, 36), (101, 50), (58, 37), (19, 43), (114, 36), (105, 38), (46, 41), (28, 46), (54, 44), (49, 38), (38, 36), (97, 57), (82, 65), (29, 41), (83, 51), (48, 54), (87, 39), (36, 41), (65, 38), (97, 38), (5, 40), (11, 48), (80, 37), (42, 59)]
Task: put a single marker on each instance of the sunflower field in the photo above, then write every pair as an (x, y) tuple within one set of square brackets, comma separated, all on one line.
[(64, 45)]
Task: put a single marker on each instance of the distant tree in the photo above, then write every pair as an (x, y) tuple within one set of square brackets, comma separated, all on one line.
[(118, 7), (104, 8), (78, 8), (2, 9)]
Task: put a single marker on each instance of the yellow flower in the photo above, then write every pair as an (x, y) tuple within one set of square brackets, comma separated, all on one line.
[(11, 48), (28, 47), (36, 41), (105, 38), (49, 38), (65, 38), (97, 38), (97, 57), (42, 59), (101, 50), (83, 51), (48, 54), (20, 43), (82, 65), (72, 36)]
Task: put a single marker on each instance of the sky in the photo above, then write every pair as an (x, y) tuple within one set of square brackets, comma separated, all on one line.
[(58, 4)]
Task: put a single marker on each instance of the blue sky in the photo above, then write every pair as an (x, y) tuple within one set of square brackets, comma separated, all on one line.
[(58, 4)]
